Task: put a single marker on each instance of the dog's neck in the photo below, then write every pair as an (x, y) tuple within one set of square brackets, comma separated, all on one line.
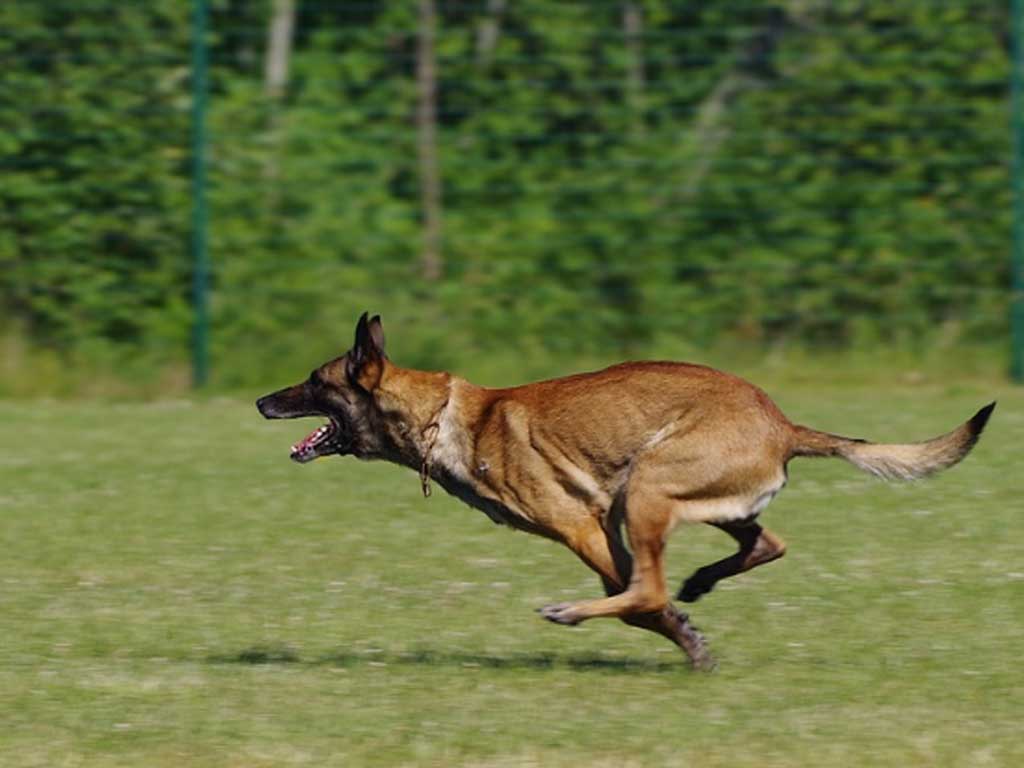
[(453, 445), (411, 426)]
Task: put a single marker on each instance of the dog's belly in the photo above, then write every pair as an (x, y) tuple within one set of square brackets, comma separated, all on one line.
[(733, 509)]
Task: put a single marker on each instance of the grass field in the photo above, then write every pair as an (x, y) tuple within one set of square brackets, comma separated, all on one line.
[(175, 592)]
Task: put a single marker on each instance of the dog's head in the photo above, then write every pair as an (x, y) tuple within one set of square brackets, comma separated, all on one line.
[(341, 390)]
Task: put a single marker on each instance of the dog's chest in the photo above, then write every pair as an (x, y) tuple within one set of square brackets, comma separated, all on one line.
[(452, 459), (464, 490)]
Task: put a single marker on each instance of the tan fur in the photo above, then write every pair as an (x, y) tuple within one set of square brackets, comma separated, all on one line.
[(907, 461), (640, 445)]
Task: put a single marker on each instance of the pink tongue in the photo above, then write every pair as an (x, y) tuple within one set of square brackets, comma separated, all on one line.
[(307, 441)]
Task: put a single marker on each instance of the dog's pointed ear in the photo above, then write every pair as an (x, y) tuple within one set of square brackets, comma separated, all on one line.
[(366, 358), (377, 335)]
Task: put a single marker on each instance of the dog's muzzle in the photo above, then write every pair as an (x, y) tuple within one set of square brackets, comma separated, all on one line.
[(290, 403), (322, 441)]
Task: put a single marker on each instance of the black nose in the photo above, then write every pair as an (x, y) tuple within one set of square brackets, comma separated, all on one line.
[(263, 406)]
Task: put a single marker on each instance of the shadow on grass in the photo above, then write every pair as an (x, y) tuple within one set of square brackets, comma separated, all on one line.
[(283, 655)]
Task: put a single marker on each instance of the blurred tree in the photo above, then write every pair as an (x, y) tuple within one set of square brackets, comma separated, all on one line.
[(426, 141), (613, 173), (93, 206), (279, 47)]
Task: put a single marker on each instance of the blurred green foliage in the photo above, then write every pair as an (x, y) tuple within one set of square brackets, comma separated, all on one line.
[(93, 187), (828, 173)]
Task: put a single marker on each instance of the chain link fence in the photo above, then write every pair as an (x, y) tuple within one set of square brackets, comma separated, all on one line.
[(504, 177)]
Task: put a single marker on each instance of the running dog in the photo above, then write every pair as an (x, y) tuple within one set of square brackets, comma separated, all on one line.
[(641, 445)]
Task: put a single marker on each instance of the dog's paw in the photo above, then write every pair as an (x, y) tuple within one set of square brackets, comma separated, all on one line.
[(704, 662), (694, 644), (560, 613), (693, 589)]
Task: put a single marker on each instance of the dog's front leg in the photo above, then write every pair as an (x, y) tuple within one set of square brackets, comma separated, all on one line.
[(605, 553), (647, 523)]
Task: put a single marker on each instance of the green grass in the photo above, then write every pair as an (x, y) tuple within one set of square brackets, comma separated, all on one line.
[(175, 592)]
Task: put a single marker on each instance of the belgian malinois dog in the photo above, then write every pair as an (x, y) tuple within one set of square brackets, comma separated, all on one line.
[(643, 446)]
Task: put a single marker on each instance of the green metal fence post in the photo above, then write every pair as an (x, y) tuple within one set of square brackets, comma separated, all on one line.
[(200, 255), (1017, 169)]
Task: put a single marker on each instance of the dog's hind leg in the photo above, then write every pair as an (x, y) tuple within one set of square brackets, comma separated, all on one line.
[(757, 547)]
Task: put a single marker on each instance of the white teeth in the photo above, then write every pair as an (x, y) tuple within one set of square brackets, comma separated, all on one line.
[(318, 434)]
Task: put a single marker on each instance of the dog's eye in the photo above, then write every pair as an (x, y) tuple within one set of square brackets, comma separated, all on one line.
[(314, 379)]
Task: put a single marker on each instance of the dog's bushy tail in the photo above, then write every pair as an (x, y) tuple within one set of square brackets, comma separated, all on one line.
[(905, 461)]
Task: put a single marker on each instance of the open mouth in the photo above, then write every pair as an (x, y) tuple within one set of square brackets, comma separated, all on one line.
[(320, 442)]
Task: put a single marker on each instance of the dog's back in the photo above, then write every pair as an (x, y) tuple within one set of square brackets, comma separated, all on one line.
[(606, 421)]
